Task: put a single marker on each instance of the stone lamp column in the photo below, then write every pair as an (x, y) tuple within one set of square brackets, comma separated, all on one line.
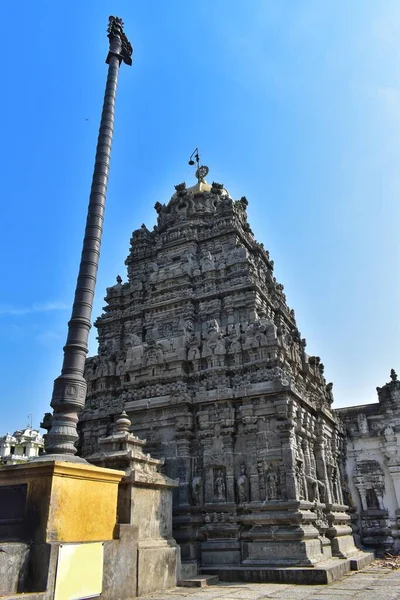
[(70, 387)]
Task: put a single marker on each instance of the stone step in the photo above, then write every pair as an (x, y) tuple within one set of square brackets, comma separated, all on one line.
[(188, 569), (321, 573), (360, 560), (199, 581)]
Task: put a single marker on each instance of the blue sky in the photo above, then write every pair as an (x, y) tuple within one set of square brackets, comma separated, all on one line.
[(294, 104)]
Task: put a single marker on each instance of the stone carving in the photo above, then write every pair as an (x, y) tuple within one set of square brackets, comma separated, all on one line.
[(201, 350), (197, 487), (272, 483), (301, 481), (206, 262), (242, 485), (369, 480), (219, 486)]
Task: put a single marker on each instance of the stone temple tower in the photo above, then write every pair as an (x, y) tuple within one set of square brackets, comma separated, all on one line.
[(201, 350)]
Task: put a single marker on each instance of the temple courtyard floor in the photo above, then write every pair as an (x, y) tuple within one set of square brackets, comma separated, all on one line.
[(378, 581)]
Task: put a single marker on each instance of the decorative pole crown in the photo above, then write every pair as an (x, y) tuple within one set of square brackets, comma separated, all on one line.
[(117, 36)]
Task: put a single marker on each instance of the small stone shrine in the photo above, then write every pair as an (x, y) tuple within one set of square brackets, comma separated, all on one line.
[(201, 350), (145, 501), (373, 467)]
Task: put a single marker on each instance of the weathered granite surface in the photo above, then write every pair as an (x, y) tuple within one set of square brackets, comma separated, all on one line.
[(144, 502), (201, 349), (373, 583), (14, 558), (373, 467)]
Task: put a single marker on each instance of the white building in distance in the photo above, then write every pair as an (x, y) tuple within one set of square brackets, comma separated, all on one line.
[(22, 445)]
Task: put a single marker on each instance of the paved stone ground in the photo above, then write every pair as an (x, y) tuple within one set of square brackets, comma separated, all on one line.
[(375, 582)]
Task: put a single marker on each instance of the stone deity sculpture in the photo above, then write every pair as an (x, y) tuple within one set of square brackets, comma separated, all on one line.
[(272, 483), (196, 490), (242, 485), (220, 488)]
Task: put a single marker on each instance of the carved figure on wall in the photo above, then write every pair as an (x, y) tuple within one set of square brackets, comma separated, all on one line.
[(219, 486), (371, 499), (197, 490), (300, 480), (362, 423), (242, 485), (388, 433), (153, 270), (272, 484), (206, 262), (193, 347), (312, 489)]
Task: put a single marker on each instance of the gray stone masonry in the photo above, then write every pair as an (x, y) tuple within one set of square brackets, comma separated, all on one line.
[(373, 583), (201, 350), (373, 467)]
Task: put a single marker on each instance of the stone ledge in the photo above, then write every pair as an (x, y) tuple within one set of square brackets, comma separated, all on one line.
[(320, 573), (361, 560), (201, 581)]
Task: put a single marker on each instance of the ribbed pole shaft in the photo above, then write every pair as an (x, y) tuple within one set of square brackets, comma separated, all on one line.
[(70, 387)]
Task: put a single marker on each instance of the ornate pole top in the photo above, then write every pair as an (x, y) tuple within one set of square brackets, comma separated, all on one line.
[(119, 43)]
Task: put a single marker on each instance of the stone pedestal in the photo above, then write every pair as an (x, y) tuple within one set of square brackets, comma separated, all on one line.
[(47, 504), (281, 533), (221, 533), (60, 502), (340, 532), (376, 530), (144, 501)]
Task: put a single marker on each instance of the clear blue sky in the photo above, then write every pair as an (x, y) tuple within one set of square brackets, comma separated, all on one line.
[(294, 104)]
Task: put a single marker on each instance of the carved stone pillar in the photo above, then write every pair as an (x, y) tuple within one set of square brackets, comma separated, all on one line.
[(288, 440), (230, 473), (320, 460), (184, 464), (250, 429)]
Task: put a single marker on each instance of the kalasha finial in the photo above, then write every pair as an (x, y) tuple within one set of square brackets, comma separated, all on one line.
[(116, 33), (122, 424), (393, 375)]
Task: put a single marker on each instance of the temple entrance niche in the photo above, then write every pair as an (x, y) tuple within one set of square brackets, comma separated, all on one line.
[(369, 479)]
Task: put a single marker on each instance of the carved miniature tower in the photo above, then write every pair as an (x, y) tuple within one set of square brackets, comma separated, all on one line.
[(202, 351), (70, 387)]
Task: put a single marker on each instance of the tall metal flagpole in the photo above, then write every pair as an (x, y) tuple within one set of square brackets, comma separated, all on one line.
[(70, 387)]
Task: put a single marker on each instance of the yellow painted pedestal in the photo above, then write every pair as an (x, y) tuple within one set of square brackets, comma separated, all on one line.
[(65, 502)]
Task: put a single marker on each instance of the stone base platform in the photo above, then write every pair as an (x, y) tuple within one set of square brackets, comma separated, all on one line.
[(199, 581), (321, 573), (361, 560)]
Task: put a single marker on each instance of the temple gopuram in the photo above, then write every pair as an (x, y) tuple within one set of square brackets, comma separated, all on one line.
[(201, 350)]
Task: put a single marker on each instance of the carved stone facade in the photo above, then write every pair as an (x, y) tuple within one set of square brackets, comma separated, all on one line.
[(201, 350), (373, 467)]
